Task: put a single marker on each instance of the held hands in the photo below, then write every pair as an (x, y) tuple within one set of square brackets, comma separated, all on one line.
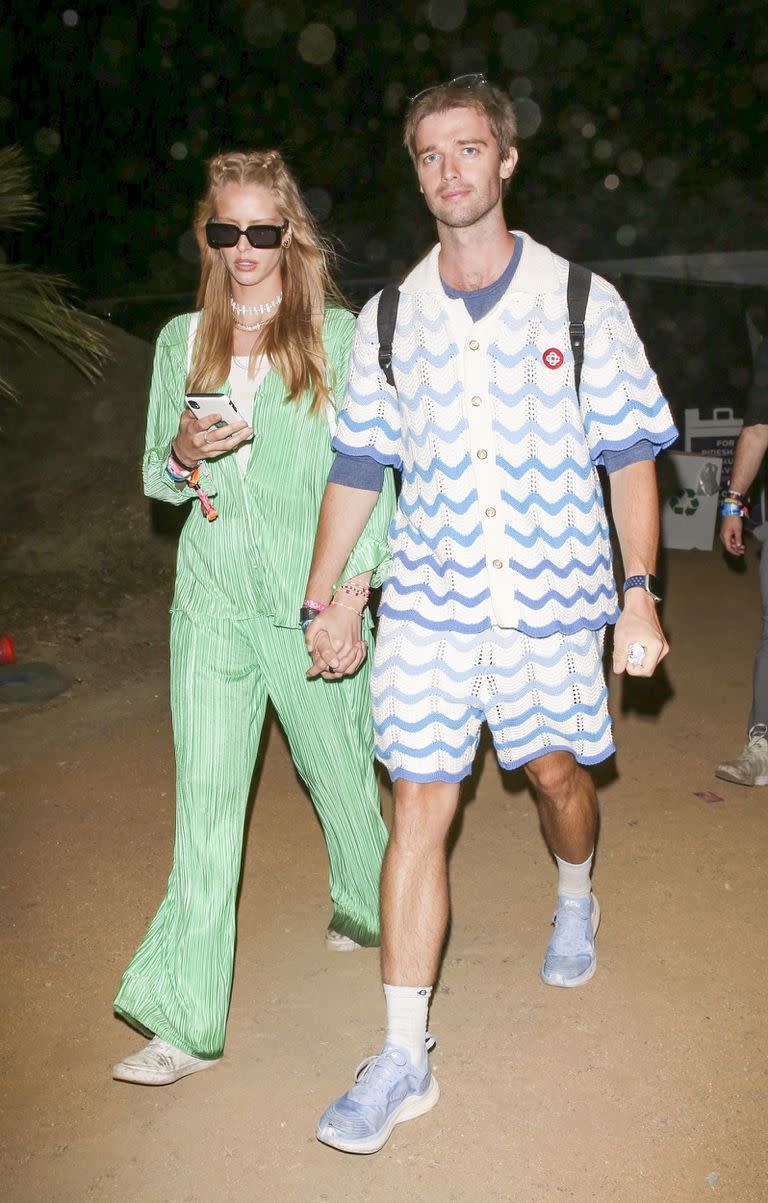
[(198, 440), (638, 624), (334, 643), (732, 535)]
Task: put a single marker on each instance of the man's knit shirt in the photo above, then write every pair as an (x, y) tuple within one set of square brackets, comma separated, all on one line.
[(501, 520)]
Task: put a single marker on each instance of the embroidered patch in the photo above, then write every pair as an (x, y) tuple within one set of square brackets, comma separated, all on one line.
[(553, 358)]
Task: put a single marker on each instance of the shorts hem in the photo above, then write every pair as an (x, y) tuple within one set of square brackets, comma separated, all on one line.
[(426, 778), (510, 766)]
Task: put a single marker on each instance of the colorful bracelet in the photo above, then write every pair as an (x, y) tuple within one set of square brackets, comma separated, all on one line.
[(733, 509), (355, 590), (318, 607)]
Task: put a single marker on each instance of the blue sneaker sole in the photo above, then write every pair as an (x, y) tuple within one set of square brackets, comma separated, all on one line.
[(584, 977), (410, 1108)]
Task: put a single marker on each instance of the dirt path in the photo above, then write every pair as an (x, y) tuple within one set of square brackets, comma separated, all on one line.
[(648, 1084)]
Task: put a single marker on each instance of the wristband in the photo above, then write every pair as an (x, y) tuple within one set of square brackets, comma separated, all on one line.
[(180, 462), (307, 614), (309, 604)]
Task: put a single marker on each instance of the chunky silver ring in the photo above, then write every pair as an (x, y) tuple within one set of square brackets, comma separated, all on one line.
[(205, 435), (636, 654)]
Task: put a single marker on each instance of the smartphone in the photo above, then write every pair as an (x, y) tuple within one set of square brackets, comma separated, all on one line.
[(202, 405)]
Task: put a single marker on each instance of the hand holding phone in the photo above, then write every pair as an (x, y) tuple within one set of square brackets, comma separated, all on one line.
[(210, 426)]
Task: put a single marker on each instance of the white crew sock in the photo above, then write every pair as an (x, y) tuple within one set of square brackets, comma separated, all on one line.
[(407, 1008), (574, 879)]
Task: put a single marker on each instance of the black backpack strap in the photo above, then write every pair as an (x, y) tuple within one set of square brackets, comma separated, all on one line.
[(579, 280), (386, 319)]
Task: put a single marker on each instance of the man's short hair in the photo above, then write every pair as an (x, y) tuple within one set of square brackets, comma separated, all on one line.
[(483, 97)]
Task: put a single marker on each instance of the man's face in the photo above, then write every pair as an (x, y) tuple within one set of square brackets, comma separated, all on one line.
[(459, 168)]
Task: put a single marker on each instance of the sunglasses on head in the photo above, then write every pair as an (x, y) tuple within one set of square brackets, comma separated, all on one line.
[(224, 233), (475, 80)]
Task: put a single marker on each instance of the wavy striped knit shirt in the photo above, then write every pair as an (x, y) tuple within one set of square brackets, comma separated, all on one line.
[(501, 520)]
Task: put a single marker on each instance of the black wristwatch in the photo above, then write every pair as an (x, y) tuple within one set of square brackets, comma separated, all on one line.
[(648, 582)]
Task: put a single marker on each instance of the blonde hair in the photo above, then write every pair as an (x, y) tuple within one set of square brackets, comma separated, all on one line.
[(293, 340)]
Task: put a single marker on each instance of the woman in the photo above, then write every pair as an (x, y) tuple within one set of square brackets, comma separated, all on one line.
[(271, 335)]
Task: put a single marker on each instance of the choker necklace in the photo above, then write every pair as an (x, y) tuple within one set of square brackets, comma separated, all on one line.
[(259, 310)]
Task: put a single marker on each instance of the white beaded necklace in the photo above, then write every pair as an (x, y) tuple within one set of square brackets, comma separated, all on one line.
[(258, 310)]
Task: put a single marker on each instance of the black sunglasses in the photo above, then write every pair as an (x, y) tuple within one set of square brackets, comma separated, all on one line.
[(224, 233), (475, 80)]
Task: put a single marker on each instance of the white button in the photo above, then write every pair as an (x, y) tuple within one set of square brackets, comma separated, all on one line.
[(490, 512), (498, 564), (474, 344), (477, 401), (482, 455)]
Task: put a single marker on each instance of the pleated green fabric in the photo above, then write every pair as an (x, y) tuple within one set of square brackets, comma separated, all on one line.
[(235, 643), (178, 983)]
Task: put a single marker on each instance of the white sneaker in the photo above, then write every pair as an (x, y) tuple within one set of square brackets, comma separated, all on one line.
[(751, 765), (336, 942), (158, 1064)]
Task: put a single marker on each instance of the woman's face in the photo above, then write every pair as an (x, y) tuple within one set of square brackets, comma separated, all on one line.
[(251, 268)]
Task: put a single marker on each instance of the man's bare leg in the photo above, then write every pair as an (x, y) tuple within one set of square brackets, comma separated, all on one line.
[(397, 1084), (414, 883), (568, 812)]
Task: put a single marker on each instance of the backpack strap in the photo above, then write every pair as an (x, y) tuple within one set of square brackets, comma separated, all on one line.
[(579, 280), (386, 319)]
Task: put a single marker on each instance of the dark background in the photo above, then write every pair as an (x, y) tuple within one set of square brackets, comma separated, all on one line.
[(643, 132)]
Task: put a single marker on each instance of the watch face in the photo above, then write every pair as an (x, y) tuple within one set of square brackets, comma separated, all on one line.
[(654, 587)]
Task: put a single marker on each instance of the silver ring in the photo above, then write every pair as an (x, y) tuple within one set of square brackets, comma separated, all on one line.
[(205, 435), (636, 654)]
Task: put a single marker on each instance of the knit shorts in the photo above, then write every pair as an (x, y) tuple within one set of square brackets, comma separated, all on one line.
[(432, 691)]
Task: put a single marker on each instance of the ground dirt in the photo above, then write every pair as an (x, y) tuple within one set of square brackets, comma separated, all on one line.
[(649, 1085)]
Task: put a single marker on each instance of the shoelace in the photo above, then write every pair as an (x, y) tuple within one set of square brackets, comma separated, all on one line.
[(569, 924), (375, 1075), (756, 734)]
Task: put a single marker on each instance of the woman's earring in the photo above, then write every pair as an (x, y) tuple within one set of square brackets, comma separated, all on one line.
[(287, 242)]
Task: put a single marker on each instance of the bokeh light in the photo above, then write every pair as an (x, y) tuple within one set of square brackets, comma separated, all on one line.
[(611, 182), (528, 116), (446, 15), (70, 18), (317, 43), (626, 235), (179, 150)]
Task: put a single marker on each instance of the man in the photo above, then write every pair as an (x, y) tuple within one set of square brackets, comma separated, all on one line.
[(750, 767), (500, 585)]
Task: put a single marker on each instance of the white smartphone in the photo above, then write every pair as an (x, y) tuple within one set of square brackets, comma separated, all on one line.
[(202, 405)]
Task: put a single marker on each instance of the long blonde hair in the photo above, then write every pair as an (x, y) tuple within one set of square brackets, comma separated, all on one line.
[(293, 340)]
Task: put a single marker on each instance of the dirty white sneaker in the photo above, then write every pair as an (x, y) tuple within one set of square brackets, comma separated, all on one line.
[(751, 765), (158, 1064), (336, 942)]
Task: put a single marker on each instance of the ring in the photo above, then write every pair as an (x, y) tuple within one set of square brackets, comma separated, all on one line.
[(205, 435), (636, 654)]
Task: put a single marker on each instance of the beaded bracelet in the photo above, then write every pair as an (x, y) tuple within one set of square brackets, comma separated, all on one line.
[(355, 590), (318, 607)]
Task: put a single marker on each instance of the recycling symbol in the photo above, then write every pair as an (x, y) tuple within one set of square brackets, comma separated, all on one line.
[(685, 502)]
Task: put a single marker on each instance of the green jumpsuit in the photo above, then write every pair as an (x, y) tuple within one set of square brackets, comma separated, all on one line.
[(235, 643)]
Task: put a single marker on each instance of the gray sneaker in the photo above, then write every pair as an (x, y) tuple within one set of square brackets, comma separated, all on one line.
[(751, 765)]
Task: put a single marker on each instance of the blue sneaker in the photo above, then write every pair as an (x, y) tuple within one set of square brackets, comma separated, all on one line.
[(388, 1089), (571, 958)]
